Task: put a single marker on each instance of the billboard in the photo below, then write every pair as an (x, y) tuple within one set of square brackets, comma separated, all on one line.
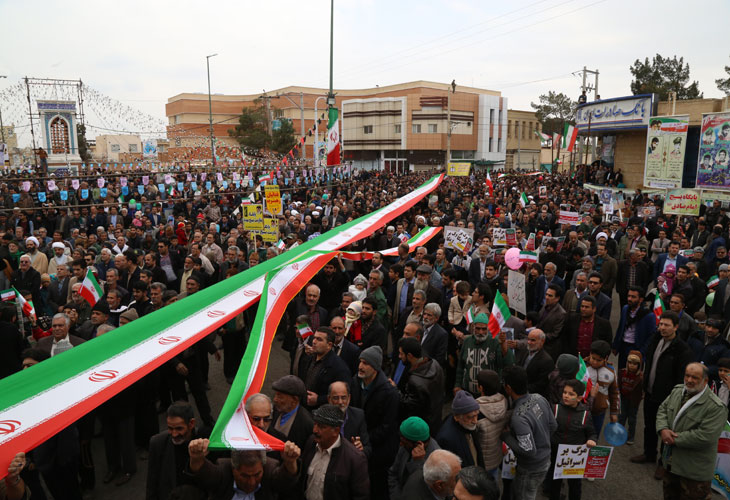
[(712, 162), (666, 141), (149, 149)]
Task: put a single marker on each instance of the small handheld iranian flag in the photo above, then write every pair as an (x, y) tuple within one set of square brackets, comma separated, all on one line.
[(713, 281), (266, 177), (658, 307), (523, 200), (526, 256), (489, 184), (8, 294), (90, 289), (333, 138), (281, 245), (304, 330), (500, 315), (25, 305), (583, 376), (570, 134), (469, 316)]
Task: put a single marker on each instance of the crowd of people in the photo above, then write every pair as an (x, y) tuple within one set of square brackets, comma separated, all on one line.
[(401, 391)]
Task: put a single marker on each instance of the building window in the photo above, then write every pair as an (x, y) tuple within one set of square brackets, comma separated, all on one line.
[(416, 128), (524, 126), (529, 130), (132, 148), (490, 144), (499, 145), (433, 128), (59, 136), (396, 129), (500, 117), (509, 128), (491, 116), (115, 148), (367, 129)]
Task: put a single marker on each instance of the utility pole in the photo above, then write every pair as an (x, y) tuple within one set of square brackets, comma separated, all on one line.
[(210, 111), (301, 110), (448, 124), (2, 128), (331, 94), (30, 115), (519, 136)]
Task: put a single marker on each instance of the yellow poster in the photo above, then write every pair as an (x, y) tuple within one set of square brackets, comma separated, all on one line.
[(270, 232), (273, 200), (253, 218), (459, 169)]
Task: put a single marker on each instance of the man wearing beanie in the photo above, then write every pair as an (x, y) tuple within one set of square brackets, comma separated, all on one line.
[(415, 447), (332, 468), (372, 392), (565, 369), (480, 352), (99, 315), (458, 433)]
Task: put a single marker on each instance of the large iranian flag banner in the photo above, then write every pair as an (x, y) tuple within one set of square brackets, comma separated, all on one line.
[(333, 138), (37, 403)]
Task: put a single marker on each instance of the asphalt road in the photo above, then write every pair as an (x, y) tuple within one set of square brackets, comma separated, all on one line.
[(624, 479)]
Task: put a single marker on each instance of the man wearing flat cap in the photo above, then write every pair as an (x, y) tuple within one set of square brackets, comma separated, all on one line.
[(423, 282), (416, 445), (332, 468), (290, 418)]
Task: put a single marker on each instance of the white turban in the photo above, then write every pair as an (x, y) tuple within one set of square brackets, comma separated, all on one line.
[(58, 244), (601, 235), (33, 239)]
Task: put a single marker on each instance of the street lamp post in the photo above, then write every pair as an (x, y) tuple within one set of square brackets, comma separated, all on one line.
[(210, 109), (331, 94)]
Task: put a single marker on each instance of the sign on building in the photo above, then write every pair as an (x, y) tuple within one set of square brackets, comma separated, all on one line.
[(666, 141)]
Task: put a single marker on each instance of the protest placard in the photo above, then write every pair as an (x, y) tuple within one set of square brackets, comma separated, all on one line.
[(499, 237), (516, 291), (253, 218), (567, 217), (270, 231), (458, 238), (578, 461), (273, 199), (682, 202)]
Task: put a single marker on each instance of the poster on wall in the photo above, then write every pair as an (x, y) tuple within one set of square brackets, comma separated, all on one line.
[(665, 146), (149, 149), (712, 163)]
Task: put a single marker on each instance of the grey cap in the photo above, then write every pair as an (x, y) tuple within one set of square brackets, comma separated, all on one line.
[(373, 356), (290, 384), (723, 267), (699, 250), (424, 268)]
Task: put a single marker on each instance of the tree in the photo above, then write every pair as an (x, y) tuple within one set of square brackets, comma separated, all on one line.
[(283, 139), (83, 145), (553, 110), (723, 84), (663, 75), (252, 129)]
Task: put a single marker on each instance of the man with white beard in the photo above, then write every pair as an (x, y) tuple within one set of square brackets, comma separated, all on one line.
[(689, 423), (458, 432)]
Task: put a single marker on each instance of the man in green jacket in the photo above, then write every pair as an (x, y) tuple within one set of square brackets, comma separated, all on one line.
[(481, 352), (689, 423)]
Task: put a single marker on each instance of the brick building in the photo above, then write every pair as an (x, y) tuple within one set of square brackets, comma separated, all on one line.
[(392, 127)]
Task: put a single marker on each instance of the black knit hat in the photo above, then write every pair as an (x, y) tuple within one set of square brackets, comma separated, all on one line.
[(329, 415)]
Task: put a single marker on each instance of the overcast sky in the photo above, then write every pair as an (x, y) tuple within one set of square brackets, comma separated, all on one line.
[(141, 53)]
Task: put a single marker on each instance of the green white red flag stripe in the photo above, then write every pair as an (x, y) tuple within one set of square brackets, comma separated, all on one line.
[(469, 316), (658, 307), (25, 306), (530, 247), (570, 134), (333, 138), (500, 315), (556, 140), (420, 239), (305, 330), (8, 294), (233, 428), (526, 256), (490, 185), (90, 289), (583, 376), (524, 201), (542, 137), (37, 403), (711, 283)]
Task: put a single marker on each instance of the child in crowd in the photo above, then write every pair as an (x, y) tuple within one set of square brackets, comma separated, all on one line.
[(722, 390), (566, 369), (359, 287), (631, 380), (604, 392), (493, 416), (575, 427)]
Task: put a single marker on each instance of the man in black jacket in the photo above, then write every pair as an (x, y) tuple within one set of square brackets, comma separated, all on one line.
[(27, 278), (290, 418), (666, 357), (320, 369), (346, 350), (335, 469), (536, 361), (585, 327), (372, 392), (355, 429), (422, 388)]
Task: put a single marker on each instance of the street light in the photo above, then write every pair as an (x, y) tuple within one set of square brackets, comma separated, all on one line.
[(210, 109)]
